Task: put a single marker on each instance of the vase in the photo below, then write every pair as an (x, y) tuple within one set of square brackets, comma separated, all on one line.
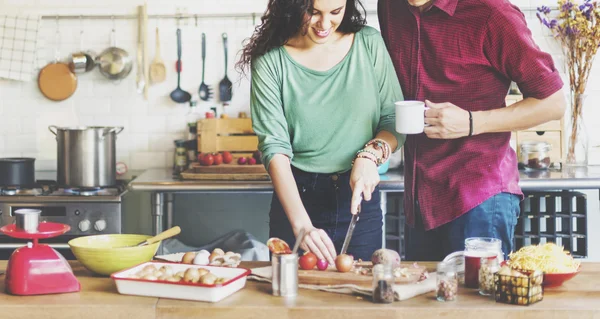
[(578, 142)]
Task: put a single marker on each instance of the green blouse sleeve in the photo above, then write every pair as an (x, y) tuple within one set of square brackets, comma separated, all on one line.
[(389, 86), (266, 107)]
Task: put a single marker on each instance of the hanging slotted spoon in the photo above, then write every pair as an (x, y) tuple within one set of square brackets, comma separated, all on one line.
[(178, 95), (225, 84), (205, 92)]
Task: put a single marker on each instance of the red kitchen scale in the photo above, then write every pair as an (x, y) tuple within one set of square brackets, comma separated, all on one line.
[(37, 269)]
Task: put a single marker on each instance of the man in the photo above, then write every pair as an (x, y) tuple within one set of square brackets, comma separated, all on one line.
[(460, 56)]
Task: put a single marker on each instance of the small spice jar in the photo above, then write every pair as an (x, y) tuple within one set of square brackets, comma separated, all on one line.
[(383, 283), (489, 266), (447, 282), (535, 155)]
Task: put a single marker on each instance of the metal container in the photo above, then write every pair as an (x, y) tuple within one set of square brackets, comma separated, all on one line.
[(17, 172), (285, 275), (28, 219), (86, 155)]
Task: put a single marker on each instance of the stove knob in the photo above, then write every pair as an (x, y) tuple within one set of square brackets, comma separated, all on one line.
[(100, 225), (84, 225)]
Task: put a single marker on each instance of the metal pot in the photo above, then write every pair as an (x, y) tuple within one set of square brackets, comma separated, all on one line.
[(17, 172), (86, 155)]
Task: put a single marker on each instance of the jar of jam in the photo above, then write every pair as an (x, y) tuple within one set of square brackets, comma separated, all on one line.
[(535, 155)]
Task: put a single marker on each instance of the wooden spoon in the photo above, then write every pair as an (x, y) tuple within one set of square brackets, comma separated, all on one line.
[(158, 71), (164, 235)]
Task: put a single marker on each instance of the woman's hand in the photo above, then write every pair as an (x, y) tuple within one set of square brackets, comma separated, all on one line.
[(318, 242), (363, 180)]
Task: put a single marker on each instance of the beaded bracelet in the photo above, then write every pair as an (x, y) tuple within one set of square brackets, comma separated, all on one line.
[(370, 152), (381, 145), (367, 157)]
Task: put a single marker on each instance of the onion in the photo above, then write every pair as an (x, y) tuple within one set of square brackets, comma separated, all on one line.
[(322, 264), (344, 263)]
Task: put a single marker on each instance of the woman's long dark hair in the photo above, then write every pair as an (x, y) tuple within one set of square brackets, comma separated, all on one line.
[(283, 19)]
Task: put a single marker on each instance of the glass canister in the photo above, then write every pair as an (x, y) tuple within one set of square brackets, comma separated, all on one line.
[(535, 155), (383, 283), (447, 282), (489, 266), (475, 249), (181, 161)]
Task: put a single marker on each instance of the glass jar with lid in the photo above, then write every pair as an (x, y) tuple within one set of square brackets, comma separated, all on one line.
[(383, 283), (535, 155)]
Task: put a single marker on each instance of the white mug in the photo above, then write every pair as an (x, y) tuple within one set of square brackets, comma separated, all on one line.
[(410, 117)]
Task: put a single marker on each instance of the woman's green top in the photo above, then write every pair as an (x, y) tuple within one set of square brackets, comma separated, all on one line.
[(320, 119)]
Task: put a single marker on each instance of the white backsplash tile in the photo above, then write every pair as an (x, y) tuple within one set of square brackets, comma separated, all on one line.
[(148, 124), (146, 160), (21, 143)]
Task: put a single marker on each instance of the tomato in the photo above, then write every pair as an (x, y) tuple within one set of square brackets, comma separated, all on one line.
[(227, 157), (207, 160), (308, 261), (218, 159)]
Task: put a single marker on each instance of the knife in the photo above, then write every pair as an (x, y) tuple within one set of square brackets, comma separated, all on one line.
[(351, 228)]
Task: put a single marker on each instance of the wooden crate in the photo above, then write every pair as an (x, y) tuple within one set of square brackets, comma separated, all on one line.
[(551, 132), (232, 134)]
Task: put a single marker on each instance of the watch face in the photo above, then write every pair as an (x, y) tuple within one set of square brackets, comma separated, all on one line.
[(121, 168)]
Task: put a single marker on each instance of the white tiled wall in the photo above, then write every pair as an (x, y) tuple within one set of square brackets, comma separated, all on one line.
[(152, 125)]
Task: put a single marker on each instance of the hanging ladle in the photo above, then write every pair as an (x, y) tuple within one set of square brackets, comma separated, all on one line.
[(179, 95)]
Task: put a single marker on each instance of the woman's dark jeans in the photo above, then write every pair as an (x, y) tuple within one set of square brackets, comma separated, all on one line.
[(326, 198)]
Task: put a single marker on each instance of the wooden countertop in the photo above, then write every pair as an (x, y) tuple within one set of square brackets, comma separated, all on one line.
[(578, 298)]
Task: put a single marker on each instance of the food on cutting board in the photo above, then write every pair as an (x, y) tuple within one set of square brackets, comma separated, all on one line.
[(344, 263), (322, 264), (548, 257), (215, 258), (386, 256), (308, 261), (190, 275)]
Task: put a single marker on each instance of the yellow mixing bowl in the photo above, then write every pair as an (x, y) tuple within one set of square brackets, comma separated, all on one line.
[(107, 254)]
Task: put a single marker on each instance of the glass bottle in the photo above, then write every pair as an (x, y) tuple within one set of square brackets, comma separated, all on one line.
[(192, 117), (181, 160), (383, 283), (447, 282), (489, 266)]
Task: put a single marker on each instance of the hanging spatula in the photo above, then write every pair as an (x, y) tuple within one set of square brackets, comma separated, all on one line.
[(225, 85)]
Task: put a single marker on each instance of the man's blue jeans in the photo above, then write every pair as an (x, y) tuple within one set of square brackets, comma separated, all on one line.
[(496, 218)]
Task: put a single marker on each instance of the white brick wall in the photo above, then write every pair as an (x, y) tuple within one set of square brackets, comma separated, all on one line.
[(151, 126)]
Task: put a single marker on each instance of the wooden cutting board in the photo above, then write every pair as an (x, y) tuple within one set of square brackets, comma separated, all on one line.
[(229, 172), (332, 277)]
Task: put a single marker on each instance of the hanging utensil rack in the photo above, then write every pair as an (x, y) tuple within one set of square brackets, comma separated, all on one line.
[(252, 15)]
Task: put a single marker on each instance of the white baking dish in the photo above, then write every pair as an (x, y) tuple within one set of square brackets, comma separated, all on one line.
[(181, 290)]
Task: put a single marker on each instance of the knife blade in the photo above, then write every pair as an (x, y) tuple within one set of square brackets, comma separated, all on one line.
[(351, 229)]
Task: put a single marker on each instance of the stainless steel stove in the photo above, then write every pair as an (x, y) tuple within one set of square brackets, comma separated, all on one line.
[(89, 211)]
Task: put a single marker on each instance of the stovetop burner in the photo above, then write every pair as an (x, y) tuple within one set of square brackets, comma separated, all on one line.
[(16, 191), (97, 191), (51, 188)]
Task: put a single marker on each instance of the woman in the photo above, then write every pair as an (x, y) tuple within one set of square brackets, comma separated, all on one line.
[(322, 105)]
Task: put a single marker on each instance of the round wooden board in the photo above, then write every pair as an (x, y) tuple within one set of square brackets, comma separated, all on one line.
[(57, 82)]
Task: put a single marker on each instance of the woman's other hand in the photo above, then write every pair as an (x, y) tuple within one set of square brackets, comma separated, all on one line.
[(318, 242)]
